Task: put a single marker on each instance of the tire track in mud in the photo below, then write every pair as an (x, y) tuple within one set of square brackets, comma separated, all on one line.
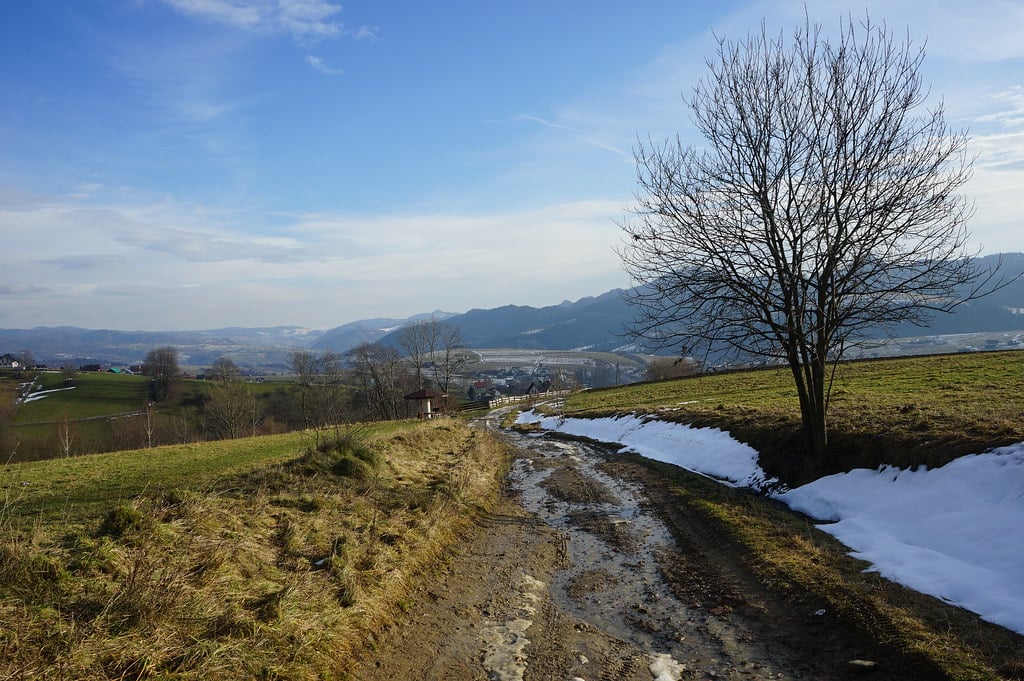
[(567, 580), (617, 548)]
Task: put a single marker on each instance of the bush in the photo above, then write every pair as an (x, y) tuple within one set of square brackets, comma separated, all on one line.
[(123, 520), (346, 456)]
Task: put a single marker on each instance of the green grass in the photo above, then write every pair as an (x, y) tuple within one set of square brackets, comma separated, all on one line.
[(905, 412), (83, 487), (95, 394), (36, 428), (104, 394)]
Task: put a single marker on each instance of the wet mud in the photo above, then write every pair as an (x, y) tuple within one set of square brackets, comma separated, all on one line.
[(577, 577)]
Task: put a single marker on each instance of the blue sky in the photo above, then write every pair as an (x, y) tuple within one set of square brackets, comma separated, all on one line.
[(189, 164)]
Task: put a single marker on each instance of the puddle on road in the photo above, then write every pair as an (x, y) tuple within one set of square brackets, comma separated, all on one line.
[(613, 581)]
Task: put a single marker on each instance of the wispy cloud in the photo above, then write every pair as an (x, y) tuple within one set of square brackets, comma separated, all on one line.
[(86, 190), (583, 131), (182, 79), (539, 121), (303, 20), (15, 289), (320, 64), (1010, 104), (368, 33)]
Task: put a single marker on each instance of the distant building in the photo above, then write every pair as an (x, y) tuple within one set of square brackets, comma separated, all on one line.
[(9, 361), (428, 403)]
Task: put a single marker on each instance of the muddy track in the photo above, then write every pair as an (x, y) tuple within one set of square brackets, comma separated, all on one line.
[(581, 574)]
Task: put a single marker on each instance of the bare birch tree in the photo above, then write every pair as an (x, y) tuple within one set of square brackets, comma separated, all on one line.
[(824, 205)]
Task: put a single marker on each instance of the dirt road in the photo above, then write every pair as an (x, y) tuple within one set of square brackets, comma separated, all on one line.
[(577, 577)]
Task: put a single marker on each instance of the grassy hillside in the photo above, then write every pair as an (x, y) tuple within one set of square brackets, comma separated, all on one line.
[(91, 394), (100, 412), (907, 411), (258, 558)]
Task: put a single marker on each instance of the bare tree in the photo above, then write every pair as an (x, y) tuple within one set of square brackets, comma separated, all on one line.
[(233, 406), (149, 424), (331, 390), (162, 366), (382, 379), (65, 435), (418, 340), (449, 356), (304, 364), (824, 205), (224, 369), (229, 409)]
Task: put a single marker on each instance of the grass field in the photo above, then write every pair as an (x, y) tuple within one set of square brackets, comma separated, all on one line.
[(94, 394), (269, 558), (908, 411), (102, 412), (259, 558), (80, 488)]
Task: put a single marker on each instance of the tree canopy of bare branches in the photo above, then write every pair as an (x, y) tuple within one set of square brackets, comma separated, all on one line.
[(381, 379), (162, 366), (430, 343), (825, 204)]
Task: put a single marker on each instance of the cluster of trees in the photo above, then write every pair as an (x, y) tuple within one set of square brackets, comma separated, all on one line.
[(368, 382)]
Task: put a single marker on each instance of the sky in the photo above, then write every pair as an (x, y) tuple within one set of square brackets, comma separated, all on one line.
[(197, 164), (954, 532)]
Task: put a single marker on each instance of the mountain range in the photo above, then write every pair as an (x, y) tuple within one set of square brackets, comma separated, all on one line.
[(596, 323)]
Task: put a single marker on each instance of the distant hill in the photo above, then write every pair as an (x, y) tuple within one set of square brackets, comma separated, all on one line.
[(601, 323), (255, 347), (348, 336), (593, 323), (587, 324), (1003, 310)]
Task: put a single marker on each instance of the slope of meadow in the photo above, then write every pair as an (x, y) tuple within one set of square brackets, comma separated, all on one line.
[(904, 412), (268, 557)]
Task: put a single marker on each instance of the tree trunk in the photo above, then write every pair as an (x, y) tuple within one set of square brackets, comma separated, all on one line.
[(810, 384)]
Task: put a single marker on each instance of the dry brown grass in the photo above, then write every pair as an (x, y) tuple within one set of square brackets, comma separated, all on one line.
[(278, 573)]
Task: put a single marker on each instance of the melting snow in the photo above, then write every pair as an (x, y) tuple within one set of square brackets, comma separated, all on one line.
[(955, 532)]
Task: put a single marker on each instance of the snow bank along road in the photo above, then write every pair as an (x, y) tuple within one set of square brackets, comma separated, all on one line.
[(955, 532)]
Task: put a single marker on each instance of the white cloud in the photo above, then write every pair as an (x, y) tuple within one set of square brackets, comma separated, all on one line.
[(321, 65), (303, 20), (368, 33), (172, 266), (1010, 108), (241, 14), (540, 121)]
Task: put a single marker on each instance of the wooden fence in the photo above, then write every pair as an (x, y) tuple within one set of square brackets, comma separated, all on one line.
[(531, 398)]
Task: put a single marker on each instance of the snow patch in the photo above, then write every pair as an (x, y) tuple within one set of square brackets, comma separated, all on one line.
[(42, 394), (664, 668), (505, 640)]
